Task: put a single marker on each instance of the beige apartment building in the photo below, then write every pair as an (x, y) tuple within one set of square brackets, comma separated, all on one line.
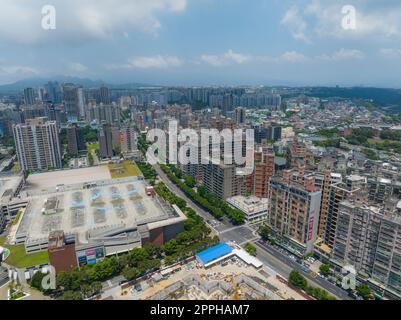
[(294, 208), (37, 144), (223, 180), (368, 237)]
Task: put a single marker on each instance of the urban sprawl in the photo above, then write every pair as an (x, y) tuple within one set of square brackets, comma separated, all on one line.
[(318, 218)]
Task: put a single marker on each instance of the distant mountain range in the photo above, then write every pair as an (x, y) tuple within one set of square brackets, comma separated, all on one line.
[(20, 85), (384, 98)]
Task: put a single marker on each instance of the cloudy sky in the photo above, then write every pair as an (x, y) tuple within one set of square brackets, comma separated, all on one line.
[(198, 42)]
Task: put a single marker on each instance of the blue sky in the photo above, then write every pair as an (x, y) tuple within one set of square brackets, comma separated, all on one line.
[(204, 42)]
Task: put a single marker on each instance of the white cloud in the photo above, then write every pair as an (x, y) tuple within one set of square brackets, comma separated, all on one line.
[(158, 61), (343, 54), (18, 70), (375, 20), (390, 53), (295, 23), (293, 57), (227, 58), (78, 21), (77, 67)]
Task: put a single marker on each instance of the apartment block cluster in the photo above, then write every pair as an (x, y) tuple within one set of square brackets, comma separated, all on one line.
[(333, 202), (343, 208)]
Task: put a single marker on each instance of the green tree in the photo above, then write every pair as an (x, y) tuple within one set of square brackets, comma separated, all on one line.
[(365, 291), (36, 281), (71, 295), (131, 273), (251, 249), (264, 232), (169, 260), (324, 269), (297, 280), (63, 280)]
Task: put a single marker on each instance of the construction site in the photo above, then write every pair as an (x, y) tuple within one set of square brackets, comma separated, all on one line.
[(230, 280)]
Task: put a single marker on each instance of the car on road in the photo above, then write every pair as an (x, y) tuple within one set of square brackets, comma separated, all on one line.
[(305, 269)]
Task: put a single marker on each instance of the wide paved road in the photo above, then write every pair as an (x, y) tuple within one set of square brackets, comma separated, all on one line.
[(216, 225), (284, 265)]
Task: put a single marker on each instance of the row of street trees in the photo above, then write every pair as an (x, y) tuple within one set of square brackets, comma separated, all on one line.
[(208, 201)]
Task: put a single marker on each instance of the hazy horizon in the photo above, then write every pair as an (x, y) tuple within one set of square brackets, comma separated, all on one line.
[(204, 42)]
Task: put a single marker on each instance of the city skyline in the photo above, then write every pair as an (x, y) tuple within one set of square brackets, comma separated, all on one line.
[(177, 42), (200, 150)]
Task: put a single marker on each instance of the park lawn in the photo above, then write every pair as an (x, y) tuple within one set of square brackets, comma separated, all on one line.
[(124, 170), (20, 259)]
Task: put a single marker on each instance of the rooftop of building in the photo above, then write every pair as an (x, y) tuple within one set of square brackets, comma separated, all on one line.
[(56, 180), (292, 183), (390, 209), (355, 177), (84, 209), (249, 204), (8, 185)]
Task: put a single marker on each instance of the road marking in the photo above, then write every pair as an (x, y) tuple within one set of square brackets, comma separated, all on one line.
[(250, 240)]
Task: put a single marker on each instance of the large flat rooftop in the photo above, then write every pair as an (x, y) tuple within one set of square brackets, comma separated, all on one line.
[(47, 181), (79, 208), (8, 185)]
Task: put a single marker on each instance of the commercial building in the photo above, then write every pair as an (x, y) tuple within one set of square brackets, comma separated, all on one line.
[(62, 252), (105, 216), (223, 252), (37, 144), (255, 208), (293, 213), (10, 186)]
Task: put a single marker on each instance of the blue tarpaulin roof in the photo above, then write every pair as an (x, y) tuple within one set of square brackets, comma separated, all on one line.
[(213, 253)]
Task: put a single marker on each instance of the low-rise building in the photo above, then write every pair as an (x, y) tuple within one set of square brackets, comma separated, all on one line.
[(255, 208)]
